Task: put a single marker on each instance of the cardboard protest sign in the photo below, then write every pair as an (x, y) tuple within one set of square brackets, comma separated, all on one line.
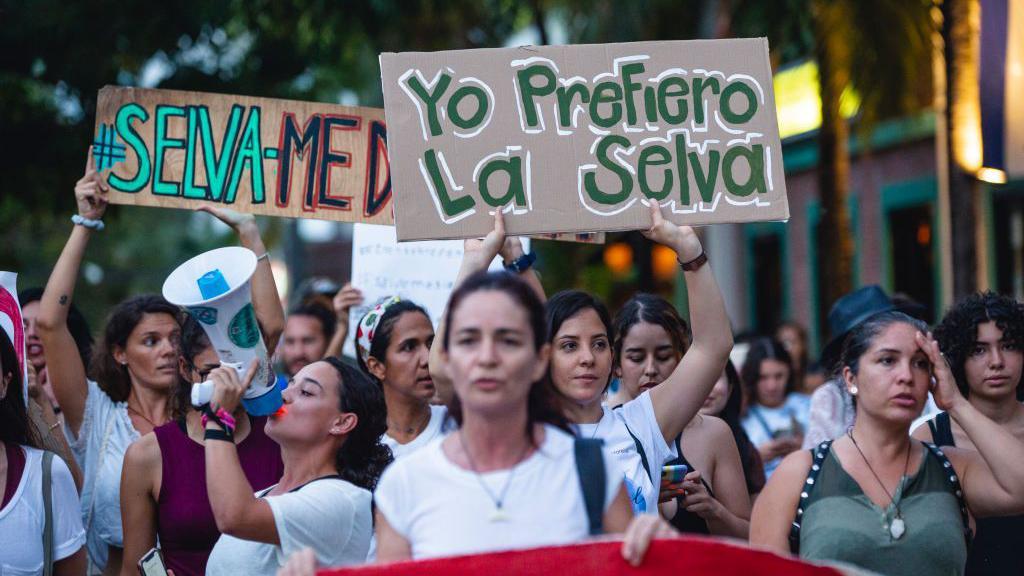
[(577, 138), (423, 272), (690, 556), (11, 320), (265, 156)]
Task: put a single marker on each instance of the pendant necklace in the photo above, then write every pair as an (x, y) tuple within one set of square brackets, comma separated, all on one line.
[(499, 514), (897, 527)]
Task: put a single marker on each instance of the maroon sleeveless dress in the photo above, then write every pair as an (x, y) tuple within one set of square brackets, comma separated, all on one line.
[(185, 525)]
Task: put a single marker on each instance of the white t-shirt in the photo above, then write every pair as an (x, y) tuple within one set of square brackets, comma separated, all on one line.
[(638, 415), (23, 519), (762, 424), (329, 515), (442, 510), (438, 427), (107, 427)]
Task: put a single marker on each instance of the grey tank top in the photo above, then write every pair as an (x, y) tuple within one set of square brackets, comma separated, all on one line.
[(840, 523)]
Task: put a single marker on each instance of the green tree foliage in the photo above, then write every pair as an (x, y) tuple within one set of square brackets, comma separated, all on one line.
[(54, 56)]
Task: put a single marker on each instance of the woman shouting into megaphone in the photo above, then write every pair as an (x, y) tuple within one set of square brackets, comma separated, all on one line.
[(329, 430)]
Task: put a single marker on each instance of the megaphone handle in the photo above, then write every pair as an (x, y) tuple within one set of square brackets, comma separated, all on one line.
[(202, 393)]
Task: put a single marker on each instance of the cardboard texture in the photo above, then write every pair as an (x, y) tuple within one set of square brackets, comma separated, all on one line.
[(577, 138), (265, 156)]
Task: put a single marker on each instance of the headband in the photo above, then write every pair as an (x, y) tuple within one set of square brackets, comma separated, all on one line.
[(368, 326)]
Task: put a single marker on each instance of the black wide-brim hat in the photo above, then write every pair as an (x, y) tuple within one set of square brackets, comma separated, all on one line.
[(847, 313)]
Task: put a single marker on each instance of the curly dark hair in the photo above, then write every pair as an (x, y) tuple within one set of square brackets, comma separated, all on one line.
[(958, 330), (362, 458)]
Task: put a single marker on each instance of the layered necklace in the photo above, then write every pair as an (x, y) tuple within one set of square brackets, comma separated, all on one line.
[(499, 514), (897, 527)]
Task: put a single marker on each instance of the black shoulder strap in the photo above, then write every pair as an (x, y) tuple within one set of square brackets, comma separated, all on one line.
[(942, 430), (590, 469), (639, 449), (954, 485), (818, 455), (48, 513)]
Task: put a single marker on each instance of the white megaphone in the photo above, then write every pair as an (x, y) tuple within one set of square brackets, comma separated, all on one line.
[(214, 288)]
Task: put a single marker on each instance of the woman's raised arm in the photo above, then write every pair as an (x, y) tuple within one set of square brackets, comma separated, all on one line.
[(680, 396), (64, 366)]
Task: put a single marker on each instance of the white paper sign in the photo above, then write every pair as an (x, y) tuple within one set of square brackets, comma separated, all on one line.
[(11, 321), (423, 272)]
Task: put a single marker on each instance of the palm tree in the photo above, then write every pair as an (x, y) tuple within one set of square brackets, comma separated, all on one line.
[(880, 49)]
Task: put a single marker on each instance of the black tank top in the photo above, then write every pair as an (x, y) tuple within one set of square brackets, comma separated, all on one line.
[(688, 522), (998, 546)]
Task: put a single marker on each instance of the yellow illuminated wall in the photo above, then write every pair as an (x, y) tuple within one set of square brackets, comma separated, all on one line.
[(798, 103)]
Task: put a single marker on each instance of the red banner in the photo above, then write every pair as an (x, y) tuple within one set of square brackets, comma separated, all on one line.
[(690, 556)]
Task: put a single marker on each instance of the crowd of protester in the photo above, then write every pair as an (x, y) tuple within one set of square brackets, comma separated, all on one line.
[(899, 451)]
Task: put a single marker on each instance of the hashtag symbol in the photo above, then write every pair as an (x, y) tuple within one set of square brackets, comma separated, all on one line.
[(107, 149)]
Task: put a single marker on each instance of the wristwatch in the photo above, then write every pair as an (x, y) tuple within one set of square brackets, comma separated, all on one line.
[(521, 264)]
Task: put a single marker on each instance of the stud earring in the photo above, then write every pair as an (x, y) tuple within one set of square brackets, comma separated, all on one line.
[(853, 390)]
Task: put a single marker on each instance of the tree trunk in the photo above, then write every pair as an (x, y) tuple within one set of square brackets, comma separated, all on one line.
[(538, 22), (835, 242), (963, 124)]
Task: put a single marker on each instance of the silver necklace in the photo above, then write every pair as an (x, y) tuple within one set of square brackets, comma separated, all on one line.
[(598, 427), (897, 527), (499, 514)]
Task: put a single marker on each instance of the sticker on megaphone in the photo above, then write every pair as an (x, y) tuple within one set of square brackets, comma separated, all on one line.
[(266, 400), (214, 288)]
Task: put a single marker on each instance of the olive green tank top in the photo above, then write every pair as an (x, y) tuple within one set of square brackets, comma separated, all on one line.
[(840, 523)]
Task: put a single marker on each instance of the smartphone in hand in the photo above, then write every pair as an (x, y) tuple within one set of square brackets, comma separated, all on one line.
[(675, 473), (152, 564)]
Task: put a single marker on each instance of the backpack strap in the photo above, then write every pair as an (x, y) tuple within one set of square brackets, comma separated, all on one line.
[(639, 449), (48, 513), (955, 488), (818, 455), (590, 469), (756, 413)]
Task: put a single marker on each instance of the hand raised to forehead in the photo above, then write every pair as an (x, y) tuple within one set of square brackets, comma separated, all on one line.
[(943, 386)]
